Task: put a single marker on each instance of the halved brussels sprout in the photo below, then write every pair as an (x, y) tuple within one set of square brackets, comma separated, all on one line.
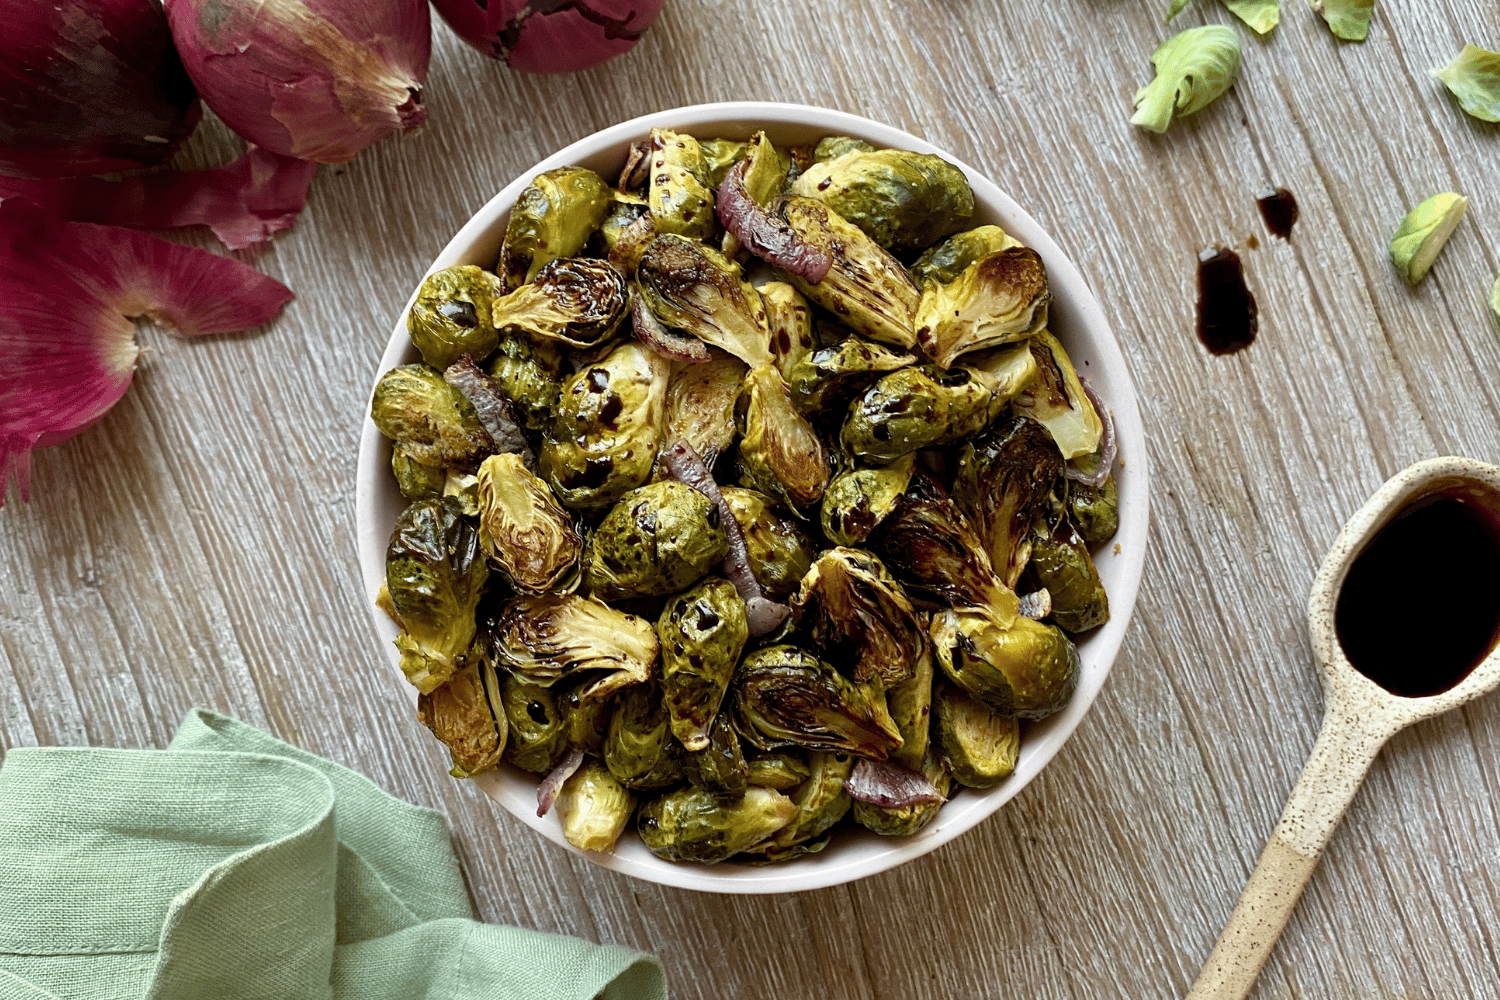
[(657, 540), (780, 454), (531, 374), (576, 301), (428, 419), (460, 714), (435, 573), (695, 825), (997, 300), (529, 538), (903, 821), (638, 748), (866, 287), (910, 705), (538, 738), (778, 769), (765, 171), (451, 314), (857, 615), (553, 217), (780, 551), (914, 408), (945, 261), (789, 319), (979, 746), (464, 488), (719, 766), (831, 146), (700, 405), (608, 428), (594, 807), (415, 480), (859, 498), (628, 243), (679, 194), (1056, 399), (719, 155), (1060, 559), (828, 378), (585, 719), (624, 210), (1025, 669), (1002, 483), (1094, 510), (821, 801), (553, 636), (901, 199), (787, 696), (694, 288), (702, 632)]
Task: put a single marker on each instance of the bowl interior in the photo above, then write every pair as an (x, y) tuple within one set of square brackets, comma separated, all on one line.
[(1076, 320)]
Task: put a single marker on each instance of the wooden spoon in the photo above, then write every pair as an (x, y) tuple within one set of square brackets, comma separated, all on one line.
[(1359, 716)]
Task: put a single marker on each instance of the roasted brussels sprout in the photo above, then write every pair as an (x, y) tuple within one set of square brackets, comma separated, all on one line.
[(415, 480), (460, 713), (1056, 399), (821, 801), (719, 155), (538, 739), (679, 194), (1094, 510), (979, 746), (531, 375), (1002, 483), (657, 540), (914, 408), (463, 488), (945, 261), (789, 319), (719, 767), (902, 200), (1060, 559), (553, 217), (910, 705), (702, 632), (787, 696), (608, 428), (827, 378), (997, 300), (435, 573), (765, 170), (778, 769), (695, 825), (629, 243), (694, 288), (859, 498), (624, 211), (451, 314), (547, 638), (1025, 669), (780, 551), (831, 146), (866, 287), (529, 538), (780, 454), (428, 419), (700, 405), (585, 719), (638, 748), (857, 616), (576, 301), (903, 821), (594, 807)]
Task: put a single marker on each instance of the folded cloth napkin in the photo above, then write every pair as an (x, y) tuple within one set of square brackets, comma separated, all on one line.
[(231, 866)]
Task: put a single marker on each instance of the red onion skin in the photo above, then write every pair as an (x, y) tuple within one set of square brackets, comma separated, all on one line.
[(766, 235), (546, 792), (552, 36), (314, 79), (1108, 447), (889, 786), (84, 83)]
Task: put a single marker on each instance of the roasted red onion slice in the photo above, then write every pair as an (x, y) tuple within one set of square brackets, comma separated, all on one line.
[(765, 235), (889, 786), (546, 792), (669, 344), (497, 414), (1037, 604), (762, 615), (637, 169), (1093, 470)]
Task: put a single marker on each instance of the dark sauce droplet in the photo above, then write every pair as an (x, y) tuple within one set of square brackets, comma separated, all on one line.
[(1226, 309), (459, 313), (1279, 210), (1444, 552)]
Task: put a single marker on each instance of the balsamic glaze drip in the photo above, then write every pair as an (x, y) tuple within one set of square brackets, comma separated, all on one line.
[(1279, 210), (1420, 607), (1226, 309)]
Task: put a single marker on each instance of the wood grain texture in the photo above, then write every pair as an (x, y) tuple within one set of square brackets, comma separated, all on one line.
[(197, 547)]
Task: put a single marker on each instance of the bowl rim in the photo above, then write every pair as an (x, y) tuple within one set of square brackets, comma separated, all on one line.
[(1098, 650)]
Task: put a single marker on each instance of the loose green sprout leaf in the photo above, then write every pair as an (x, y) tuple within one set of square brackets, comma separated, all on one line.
[(1192, 68), (1423, 232), (1174, 10), (1262, 15), (1347, 19), (1474, 78)]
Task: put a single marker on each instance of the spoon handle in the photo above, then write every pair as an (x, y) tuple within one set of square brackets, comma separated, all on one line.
[(1346, 747)]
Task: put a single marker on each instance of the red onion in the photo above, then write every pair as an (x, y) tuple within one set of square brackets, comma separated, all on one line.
[(66, 348), (889, 785), (1088, 469), (546, 792), (315, 79), (89, 86), (669, 344), (497, 415), (766, 235), (550, 36)]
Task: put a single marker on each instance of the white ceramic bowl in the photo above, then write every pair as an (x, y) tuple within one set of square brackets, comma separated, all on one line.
[(1078, 323)]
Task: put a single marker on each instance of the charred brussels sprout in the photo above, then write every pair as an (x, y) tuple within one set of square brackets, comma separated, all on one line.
[(910, 704), (553, 217), (700, 405), (789, 319), (679, 194), (529, 538), (460, 713), (903, 821), (628, 244), (979, 746), (780, 551), (776, 769), (585, 719), (415, 480), (1002, 483), (657, 540), (719, 766), (996, 300), (694, 288), (547, 638), (787, 696), (428, 419), (435, 573), (624, 212), (1025, 669), (859, 498), (858, 616), (695, 825), (575, 301), (916, 408), (828, 378), (639, 749), (1056, 399), (821, 801), (451, 315), (531, 375), (901, 199), (538, 739), (608, 428), (1094, 510), (945, 261), (780, 454), (866, 287), (594, 808), (702, 632), (1060, 559)]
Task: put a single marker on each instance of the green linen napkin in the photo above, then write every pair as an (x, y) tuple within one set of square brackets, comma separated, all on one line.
[(232, 866)]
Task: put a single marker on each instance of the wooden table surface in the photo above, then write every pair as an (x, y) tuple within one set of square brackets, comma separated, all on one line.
[(197, 547)]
